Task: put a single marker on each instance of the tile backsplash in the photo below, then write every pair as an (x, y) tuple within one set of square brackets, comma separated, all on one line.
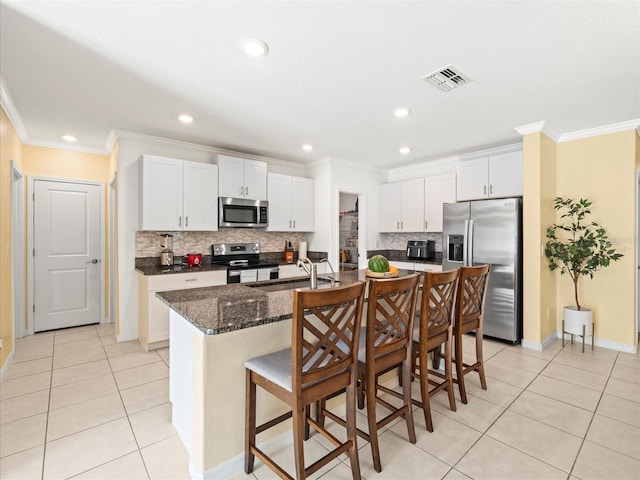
[(149, 244), (398, 241)]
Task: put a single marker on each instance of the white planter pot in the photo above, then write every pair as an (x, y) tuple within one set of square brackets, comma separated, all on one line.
[(575, 319)]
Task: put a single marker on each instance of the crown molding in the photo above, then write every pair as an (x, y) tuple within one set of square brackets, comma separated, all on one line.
[(513, 147), (603, 130), (539, 127), (406, 171), (12, 113), (66, 146), (111, 141)]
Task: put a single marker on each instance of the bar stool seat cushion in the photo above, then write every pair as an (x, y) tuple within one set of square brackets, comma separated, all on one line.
[(275, 367)]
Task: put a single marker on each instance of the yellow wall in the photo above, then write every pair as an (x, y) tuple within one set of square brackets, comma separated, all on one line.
[(10, 150), (43, 162), (603, 169), (538, 281)]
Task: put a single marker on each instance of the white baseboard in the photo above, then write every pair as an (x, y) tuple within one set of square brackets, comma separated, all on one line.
[(236, 464), (538, 347), (5, 369)]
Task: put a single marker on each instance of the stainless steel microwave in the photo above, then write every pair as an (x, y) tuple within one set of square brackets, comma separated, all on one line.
[(242, 213)]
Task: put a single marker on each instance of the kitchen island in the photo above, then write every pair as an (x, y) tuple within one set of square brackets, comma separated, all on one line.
[(213, 331)]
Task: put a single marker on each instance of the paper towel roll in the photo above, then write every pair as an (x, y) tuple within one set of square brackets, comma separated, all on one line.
[(302, 250)]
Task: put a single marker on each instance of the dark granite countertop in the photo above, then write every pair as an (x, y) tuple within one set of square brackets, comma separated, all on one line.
[(401, 256), (225, 308)]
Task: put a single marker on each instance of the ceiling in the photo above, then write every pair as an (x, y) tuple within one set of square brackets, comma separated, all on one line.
[(333, 75)]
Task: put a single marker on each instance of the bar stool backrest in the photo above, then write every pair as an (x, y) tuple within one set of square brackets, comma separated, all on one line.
[(472, 288), (437, 306), (325, 336)]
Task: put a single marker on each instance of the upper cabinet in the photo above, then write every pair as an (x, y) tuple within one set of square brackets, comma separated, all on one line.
[(177, 195), (242, 178), (290, 203), (402, 206), (496, 176), (438, 190)]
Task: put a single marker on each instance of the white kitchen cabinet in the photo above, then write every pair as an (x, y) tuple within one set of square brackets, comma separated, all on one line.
[(242, 178), (153, 313), (177, 195), (402, 206), (438, 190), (402, 265), (496, 176), (290, 203), (417, 266), (290, 271)]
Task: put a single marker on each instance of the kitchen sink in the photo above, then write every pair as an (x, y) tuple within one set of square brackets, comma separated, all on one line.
[(290, 284)]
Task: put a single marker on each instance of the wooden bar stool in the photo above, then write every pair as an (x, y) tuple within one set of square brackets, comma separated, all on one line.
[(472, 288), (385, 344), (434, 328), (322, 360)]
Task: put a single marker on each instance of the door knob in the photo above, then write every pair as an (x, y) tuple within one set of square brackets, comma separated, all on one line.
[(95, 260)]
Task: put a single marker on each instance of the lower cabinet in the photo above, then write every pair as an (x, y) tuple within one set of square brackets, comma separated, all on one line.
[(417, 266), (153, 314), (292, 270)]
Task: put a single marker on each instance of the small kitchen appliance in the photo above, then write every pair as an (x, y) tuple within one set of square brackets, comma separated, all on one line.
[(243, 262), (242, 213), (194, 259), (166, 257), (421, 249)]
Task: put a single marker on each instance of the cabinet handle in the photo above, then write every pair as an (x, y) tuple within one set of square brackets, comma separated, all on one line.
[(491, 189), (191, 280), (180, 221), (186, 221), (246, 190), (425, 224), (401, 225), (294, 224), (397, 225), (241, 190), (485, 190), (289, 223)]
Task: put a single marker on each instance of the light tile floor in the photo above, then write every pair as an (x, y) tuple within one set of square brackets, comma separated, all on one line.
[(77, 404)]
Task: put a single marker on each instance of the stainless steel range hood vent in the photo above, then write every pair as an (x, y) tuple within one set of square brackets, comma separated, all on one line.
[(447, 78)]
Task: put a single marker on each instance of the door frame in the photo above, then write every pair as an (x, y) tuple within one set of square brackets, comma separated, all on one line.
[(334, 244), (30, 243), (18, 251), (113, 250)]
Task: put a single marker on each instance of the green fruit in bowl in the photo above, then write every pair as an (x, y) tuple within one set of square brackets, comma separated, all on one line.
[(378, 264)]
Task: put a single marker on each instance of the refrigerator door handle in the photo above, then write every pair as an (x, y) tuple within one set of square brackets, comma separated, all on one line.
[(465, 246), (470, 244)]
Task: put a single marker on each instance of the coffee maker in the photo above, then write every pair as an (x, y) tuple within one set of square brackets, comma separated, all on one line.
[(166, 257)]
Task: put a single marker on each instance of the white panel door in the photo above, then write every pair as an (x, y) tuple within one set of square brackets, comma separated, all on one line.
[(200, 197), (412, 219), (390, 209), (67, 264), (230, 176), (161, 193)]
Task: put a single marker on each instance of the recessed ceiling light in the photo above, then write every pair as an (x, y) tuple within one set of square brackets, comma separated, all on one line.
[(69, 138), (402, 112), (405, 150), (307, 147), (184, 118), (254, 47)]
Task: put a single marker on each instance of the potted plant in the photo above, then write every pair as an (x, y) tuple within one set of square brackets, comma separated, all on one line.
[(578, 247)]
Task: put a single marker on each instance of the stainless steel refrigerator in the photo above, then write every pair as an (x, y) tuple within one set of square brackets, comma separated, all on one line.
[(489, 231)]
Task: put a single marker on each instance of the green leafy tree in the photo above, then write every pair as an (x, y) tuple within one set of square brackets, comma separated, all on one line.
[(576, 245)]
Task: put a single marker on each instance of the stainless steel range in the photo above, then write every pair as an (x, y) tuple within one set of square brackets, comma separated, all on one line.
[(243, 262)]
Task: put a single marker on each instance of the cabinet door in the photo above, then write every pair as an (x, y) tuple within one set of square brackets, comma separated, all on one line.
[(279, 195), (473, 178), (255, 180), (438, 190), (160, 193), (230, 176), (289, 271), (200, 197), (302, 204), (389, 208), (412, 219), (505, 175)]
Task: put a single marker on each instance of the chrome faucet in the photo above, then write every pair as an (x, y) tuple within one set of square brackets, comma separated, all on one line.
[(333, 272), (311, 270)]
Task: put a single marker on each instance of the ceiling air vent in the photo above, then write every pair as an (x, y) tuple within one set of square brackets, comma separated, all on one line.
[(447, 78)]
